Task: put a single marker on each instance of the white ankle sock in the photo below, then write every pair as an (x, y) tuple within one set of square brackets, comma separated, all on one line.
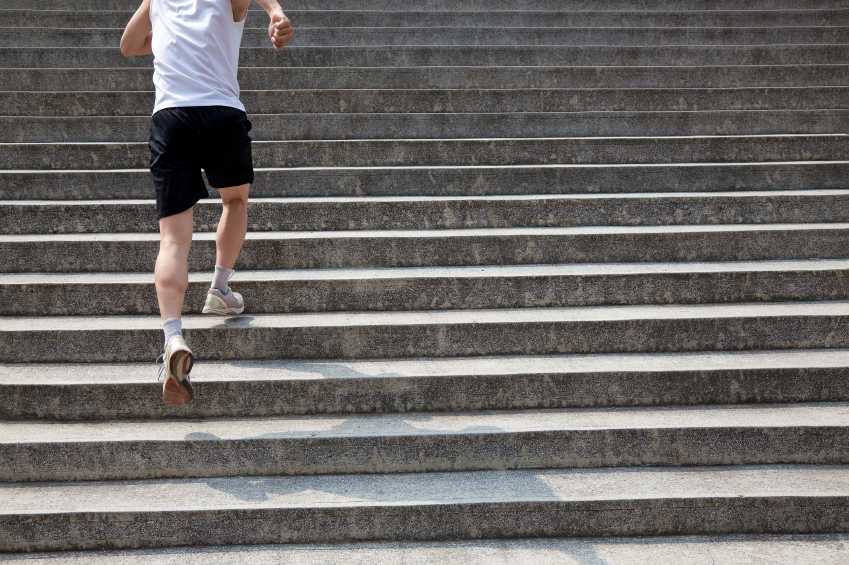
[(220, 278), (173, 327)]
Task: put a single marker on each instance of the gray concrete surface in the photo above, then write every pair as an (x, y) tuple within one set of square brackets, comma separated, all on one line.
[(516, 16), (97, 253), (456, 152), (454, 34), (500, 366), (806, 434), (443, 212), (436, 180), (687, 550), (522, 55), (602, 329), (344, 386), (442, 77), (477, 5), (305, 126), (590, 502), (531, 286), (140, 103)]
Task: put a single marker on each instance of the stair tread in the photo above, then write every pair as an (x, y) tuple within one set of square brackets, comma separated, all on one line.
[(434, 233), (607, 197), (137, 498), (691, 550), (806, 415), (512, 315), (75, 374), (405, 273)]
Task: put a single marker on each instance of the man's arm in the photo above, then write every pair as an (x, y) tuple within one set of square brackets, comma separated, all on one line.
[(137, 36), (280, 28)]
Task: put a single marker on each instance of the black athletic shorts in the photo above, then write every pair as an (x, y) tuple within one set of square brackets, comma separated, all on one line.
[(185, 140)]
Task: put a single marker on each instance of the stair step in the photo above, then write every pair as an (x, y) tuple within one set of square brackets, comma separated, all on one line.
[(454, 34), (438, 101), (441, 77), (391, 443), (699, 550), (423, 248), (422, 506), (401, 55), (333, 126), (450, 333), (476, 5), (514, 18), (429, 288), (449, 181), (453, 152), (109, 391), (442, 212)]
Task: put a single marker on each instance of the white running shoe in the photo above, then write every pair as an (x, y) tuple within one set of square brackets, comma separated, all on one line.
[(175, 366), (220, 304)]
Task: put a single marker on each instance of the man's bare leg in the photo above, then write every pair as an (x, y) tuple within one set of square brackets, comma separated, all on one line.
[(232, 227), (172, 268), (172, 279)]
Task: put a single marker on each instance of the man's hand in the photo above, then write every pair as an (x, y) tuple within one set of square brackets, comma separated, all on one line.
[(279, 30)]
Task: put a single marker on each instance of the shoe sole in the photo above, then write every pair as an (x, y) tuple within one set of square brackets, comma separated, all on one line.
[(178, 389), (223, 312)]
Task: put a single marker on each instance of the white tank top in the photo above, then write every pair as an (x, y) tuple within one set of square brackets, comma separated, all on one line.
[(195, 53)]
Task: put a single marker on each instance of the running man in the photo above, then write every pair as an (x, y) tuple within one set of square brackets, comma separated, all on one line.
[(198, 123)]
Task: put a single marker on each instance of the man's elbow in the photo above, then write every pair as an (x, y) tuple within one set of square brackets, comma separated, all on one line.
[(130, 48), (125, 48)]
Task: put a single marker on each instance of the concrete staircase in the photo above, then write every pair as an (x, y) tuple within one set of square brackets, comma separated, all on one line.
[(516, 270)]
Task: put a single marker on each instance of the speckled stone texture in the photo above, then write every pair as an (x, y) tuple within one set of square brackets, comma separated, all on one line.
[(402, 55), (93, 253), (610, 329), (691, 550), (515, 270), (444, 213), (440, 126), (554, 17), (475, 5), (455, 152), (448, 181), (254, 78), (440, 289), (453, 34), (443, 100), (427, 443), (429, 506), (280, 388)]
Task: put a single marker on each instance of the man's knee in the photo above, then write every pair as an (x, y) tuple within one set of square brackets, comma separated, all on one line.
[(237, 201), (235, 197)]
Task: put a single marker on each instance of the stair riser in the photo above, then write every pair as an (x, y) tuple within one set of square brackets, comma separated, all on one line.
[(436, 340), (520, 519), (208, 457), (347, 251), (439, 181), (280, 127), (438, 214), (476, 36), (723, 76), (453, 152), (475, 5), (92, 57), (303, 19), (445, 101), (104, 400), (438, 293)]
